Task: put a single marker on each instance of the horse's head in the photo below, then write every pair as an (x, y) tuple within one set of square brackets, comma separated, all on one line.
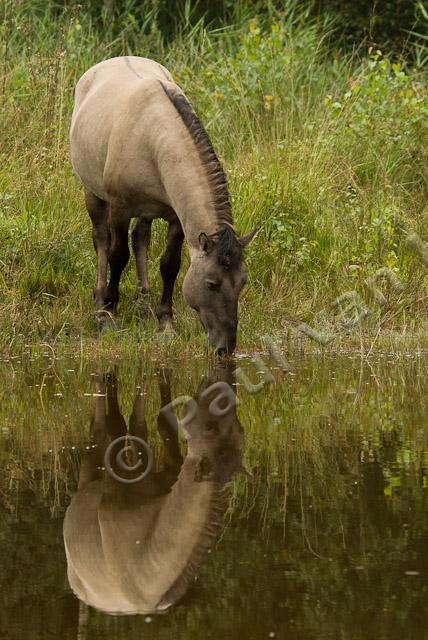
[(214, 433), (213, 283)]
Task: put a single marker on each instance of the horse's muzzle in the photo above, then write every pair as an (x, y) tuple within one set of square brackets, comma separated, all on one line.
[(226, 347)]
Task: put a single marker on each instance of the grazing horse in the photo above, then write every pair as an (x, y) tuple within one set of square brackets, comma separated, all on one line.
[(135, 548), (141, 152)]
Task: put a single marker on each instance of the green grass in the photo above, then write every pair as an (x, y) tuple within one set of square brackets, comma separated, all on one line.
[(328, 409), (326, 153)]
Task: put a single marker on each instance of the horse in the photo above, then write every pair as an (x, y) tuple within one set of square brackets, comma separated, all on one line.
[(141, 152), (135, 548)]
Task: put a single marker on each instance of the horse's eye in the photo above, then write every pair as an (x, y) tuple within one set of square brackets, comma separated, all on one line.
[(213, 285)]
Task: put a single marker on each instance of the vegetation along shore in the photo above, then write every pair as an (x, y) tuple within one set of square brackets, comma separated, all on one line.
[(325, 149)]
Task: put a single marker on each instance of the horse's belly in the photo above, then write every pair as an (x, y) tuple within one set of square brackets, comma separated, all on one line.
[(92, 180)]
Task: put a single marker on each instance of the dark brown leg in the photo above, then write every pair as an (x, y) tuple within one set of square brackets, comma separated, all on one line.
[(98, 212), (115, 422), (168, 432), (118, 255), (140, 245), (169, 268), (128, 449), (93, 460), (137, 421)]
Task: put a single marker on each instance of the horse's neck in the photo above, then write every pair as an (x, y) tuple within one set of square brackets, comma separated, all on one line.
[(163, 542), (186, 182), (187, 526)]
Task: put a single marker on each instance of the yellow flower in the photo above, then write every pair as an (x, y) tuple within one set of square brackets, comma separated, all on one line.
[(254, 26), (268, 102)]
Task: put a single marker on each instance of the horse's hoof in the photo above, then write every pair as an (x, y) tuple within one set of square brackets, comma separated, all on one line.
[(143, 303), (106, 321), (166, 332), (165, 337)]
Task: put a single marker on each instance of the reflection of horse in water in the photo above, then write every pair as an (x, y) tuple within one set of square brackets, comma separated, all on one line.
[(135, 548)]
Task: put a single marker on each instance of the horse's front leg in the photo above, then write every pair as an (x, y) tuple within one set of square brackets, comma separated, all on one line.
[(140, 244), (137, 420), (115, 422), (168, 425), (169, 268)]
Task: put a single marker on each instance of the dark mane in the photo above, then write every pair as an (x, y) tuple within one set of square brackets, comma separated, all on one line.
[(230, 252), (215, 173)]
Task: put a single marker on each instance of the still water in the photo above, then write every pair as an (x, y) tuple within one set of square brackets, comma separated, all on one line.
[(295, 509)]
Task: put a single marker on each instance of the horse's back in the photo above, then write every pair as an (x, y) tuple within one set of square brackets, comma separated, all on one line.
[(118, 106), (105, 544), (118, 75)]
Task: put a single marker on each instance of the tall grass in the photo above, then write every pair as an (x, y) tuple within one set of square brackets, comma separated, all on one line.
[(325, 152)]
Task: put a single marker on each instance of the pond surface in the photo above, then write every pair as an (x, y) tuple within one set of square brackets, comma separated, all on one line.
[(299, 512)]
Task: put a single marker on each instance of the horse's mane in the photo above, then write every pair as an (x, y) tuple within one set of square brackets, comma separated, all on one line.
[(230, 252), (218, 506), (216, 176), (221, 491)]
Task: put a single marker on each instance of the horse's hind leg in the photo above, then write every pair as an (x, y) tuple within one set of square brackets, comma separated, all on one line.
[(169, 268), (93, 459), (140, 245), (98, 212), (118, 255)]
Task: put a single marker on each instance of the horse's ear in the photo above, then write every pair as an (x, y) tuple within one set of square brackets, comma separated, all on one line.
[(245, 240), (205, 243)]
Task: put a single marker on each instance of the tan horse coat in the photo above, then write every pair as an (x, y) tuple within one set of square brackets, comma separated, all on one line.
[(141, 152), (129, 145), (136, 548)]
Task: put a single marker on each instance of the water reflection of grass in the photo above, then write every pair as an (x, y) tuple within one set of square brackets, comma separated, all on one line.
[(312, 430), (321, 536)]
